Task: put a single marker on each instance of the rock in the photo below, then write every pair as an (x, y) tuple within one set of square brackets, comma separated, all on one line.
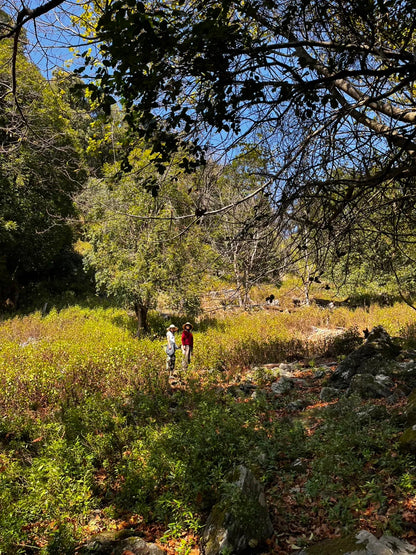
[(407, 441), (319, 374), (300, 465), (288, 367), (240, 521), (397, 395), (138, 547), (410, 410), (294, 406), (408, 354), (376, 356), (329, 394), (407, 366), (384, 380), (247, 387), (406, 372), (235, 391), (369, 387), (363, 543), (284, 385), (119, 543), (372, 413)]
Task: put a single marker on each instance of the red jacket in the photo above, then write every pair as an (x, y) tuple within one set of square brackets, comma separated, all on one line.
[(187, 338)]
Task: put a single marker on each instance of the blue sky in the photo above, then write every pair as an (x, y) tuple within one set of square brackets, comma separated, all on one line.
[(50, 36)]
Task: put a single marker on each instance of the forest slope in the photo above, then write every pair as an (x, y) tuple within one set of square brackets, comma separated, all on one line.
[(94, 437)]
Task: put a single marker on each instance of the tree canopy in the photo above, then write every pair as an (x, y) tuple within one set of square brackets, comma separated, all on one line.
[(323, 89), (326, 89), (327, 84), (139, 248), (40, 169)]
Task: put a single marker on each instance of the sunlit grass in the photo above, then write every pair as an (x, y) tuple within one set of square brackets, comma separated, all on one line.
[(90, 429)]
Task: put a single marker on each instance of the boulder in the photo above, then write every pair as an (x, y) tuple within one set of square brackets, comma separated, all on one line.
[(284, 385), (329, 394), (363, 543), (119, 543), (376, 356), (370, 387), (407, 441), (240, 521), (406, 373)]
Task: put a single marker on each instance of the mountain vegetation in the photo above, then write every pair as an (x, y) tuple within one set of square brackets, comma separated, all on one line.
[(192, 160)]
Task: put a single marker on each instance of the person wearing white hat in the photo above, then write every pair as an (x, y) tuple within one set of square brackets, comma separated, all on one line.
[(187, 340), (171, 348)]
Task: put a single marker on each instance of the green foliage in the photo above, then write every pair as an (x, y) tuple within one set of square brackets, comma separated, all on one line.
[(245, 240), (359, 467), (41, 168), (409, 335), (90, 429), (138, 250), (299, 98)]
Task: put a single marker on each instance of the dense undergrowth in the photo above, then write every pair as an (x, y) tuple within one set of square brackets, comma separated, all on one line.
[(92, 437)]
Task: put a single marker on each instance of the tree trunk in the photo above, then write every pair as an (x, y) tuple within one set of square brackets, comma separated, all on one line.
[(141, 315), (239, 285)]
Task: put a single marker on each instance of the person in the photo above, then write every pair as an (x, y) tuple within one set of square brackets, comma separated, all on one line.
[(187, 344), (171, 348)]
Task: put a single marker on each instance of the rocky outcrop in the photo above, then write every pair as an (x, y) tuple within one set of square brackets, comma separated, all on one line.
[(119, 543), (239, 523), (375, 357), (368, 386), (284, 385), (363, 543)]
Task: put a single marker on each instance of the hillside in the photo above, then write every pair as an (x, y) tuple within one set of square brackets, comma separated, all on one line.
[(95, 438)]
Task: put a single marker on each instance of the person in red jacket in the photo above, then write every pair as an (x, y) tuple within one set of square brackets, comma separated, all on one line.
[(187, 344)]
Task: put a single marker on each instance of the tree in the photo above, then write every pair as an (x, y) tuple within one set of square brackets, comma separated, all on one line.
[(138, 246), (40, 169), (329, 85), (379, 253), (326, 87), (245, 236)]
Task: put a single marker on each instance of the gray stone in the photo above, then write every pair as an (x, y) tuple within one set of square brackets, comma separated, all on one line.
[(247, 387), (407, 366), (138, 546), (368, 387), (363, 543), (372, 413), (384, 380), (240, 521), (284, 385), (116, 543), (406, 373), (329, 394), (288, 367), (376, 356)]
